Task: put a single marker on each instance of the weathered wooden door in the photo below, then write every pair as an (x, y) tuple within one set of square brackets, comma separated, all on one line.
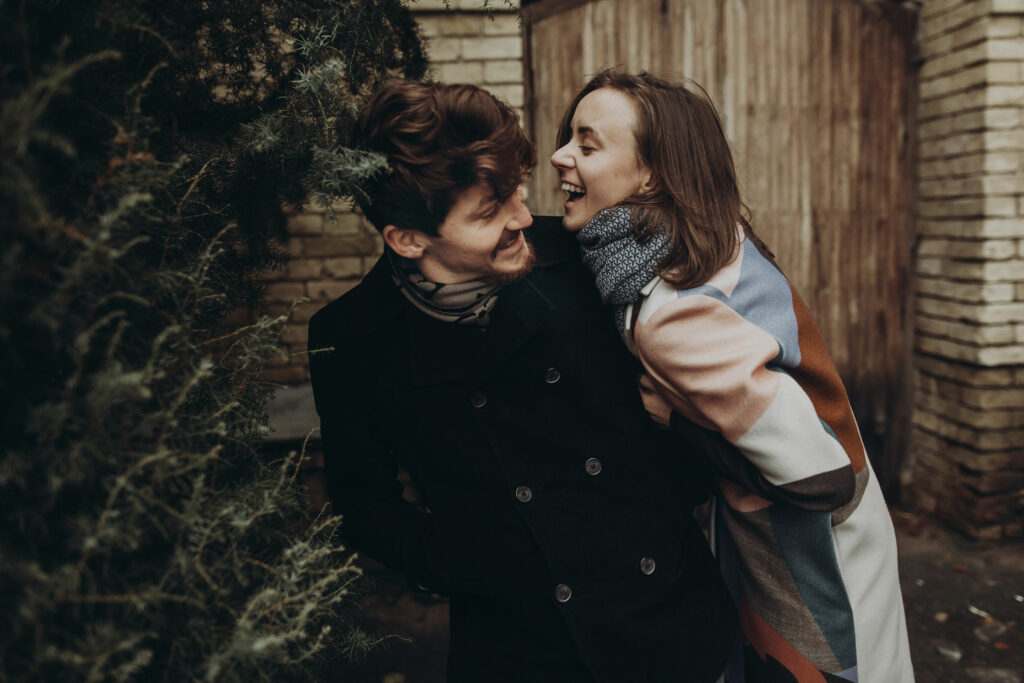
[(814, 96)]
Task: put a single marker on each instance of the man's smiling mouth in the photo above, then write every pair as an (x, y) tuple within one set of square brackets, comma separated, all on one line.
[(509, 240), (575, 191)]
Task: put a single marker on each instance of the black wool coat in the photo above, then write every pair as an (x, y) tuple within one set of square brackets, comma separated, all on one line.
[(558, 516)]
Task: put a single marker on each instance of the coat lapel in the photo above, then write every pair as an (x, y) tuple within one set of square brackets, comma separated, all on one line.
[(446, 352)]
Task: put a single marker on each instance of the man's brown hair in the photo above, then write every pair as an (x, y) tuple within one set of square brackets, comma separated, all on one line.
[(440, 140), (696, 199)]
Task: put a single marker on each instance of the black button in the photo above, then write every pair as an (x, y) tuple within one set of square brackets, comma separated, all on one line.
[(593, 466), (478, 399), (562, 593), (524, 494), (552, 375), (647, 565)]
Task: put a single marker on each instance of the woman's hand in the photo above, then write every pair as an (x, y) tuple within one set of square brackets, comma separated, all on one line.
[(659, 410)]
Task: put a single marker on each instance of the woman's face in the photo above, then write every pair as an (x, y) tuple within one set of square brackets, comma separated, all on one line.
[(599, 166)]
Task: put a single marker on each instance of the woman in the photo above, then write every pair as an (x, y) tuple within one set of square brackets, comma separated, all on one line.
[(801, 530)]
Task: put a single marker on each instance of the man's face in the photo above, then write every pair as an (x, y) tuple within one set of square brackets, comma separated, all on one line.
[(480, 238)]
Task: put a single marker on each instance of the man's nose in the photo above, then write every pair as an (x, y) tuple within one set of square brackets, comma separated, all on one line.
[(521, 218)]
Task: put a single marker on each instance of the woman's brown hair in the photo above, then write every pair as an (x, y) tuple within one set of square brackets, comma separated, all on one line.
[(439, 140), (696, 199)]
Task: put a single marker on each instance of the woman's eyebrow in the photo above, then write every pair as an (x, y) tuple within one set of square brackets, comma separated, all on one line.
[(587, 130)]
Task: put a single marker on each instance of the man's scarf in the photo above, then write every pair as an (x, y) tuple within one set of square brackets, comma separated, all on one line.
[(465, 303), (620, 263)]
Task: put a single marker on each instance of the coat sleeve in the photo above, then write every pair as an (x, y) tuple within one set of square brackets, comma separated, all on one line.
[(361, 471), (716, 368)]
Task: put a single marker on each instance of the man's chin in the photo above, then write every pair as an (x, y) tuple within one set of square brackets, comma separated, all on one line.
[(501, 278)]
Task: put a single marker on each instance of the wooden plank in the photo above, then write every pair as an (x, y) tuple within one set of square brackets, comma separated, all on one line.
[(815, 99)]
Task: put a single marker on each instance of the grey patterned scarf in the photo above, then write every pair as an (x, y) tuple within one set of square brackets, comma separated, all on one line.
[(465, 303), (620, 263)]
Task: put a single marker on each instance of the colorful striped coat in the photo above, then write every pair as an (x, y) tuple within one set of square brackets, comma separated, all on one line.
[(802, 533)]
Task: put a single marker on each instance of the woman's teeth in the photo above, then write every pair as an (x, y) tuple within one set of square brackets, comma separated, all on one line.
[(575, 191)]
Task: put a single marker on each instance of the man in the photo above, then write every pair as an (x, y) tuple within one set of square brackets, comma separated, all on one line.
[(477, 356)]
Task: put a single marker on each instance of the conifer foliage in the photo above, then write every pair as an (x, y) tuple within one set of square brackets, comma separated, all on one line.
[(145, 153)]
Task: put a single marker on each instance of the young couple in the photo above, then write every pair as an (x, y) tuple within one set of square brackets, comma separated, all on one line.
[(479, 356)]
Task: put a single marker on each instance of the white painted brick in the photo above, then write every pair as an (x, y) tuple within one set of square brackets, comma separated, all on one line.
[(1004, 48), (1020, 334), (1003, 117), (959, 102), (461, 72), (461, 24), (940, 167), (503, 71), (932, 8), (996, 72), (960, 15), (1006, 6), (968, 249), (979, 228), (999, 162), (975, 292), (983, 206), (989, 27), (987, 356), (995, 313), (935, 45), (937, 128), (954, 145), (429, 25), (444, 49), (502, 25), (953, 61), (1000, 95), (977, 335), (997, 140), (1020, 248), (511, 93), (498, 47), (996, 185)]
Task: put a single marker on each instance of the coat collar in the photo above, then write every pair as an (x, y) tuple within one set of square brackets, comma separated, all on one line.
[(445, 352)]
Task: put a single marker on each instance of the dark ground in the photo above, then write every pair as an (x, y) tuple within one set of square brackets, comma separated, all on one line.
[(964, 604)]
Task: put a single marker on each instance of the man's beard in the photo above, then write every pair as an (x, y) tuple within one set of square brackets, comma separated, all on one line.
[(500, 279)]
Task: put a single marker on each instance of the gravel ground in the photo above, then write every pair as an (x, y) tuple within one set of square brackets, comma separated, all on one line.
[(964, 603)]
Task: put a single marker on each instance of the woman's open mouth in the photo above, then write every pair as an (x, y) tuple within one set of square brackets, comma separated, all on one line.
[(575, 191)]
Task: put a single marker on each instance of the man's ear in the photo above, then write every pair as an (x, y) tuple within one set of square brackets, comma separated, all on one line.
[(404, 242)]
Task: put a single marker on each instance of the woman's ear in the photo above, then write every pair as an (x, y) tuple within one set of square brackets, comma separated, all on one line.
[(647, 182), (404, 242)]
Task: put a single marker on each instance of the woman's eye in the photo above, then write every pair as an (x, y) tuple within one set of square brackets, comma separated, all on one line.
[(586, 149)]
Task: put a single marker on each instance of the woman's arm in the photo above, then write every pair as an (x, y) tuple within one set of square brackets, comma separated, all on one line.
[(715, 368)]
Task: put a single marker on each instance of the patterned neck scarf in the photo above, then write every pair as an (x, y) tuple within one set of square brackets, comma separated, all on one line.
[(465, 303), (620, 263)]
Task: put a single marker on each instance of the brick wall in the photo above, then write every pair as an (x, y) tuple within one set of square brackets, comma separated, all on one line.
[(465, 44), (967, 459)]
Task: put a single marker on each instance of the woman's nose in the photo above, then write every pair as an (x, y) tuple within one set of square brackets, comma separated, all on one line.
[(561, 157)]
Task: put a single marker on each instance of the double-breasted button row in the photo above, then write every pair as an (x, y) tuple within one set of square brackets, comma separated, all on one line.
[(563, 593), (552, 375), (478, 399), (524, 494), (647, 565), (593, 466)]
